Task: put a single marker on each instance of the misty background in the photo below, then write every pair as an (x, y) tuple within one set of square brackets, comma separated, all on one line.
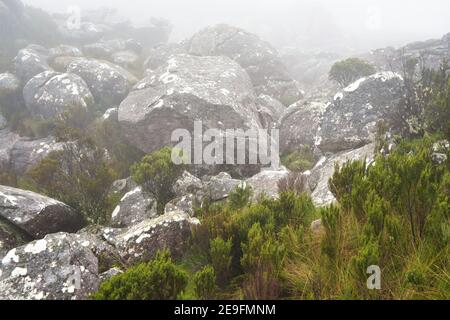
[(342, 26)]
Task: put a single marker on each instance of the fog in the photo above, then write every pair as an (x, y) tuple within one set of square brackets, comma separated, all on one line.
[(311, 25)]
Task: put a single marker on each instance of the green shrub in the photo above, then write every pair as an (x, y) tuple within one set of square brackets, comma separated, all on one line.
[(221, 258), (79, 176), (205, 283), (157, 174), (300, 160), (240, 197), (347, 71), (159, 279)]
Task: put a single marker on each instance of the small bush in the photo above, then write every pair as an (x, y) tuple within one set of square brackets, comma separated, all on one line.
[(347, 71), (205, 283), (221, 258), (157, 174), (300, 160), (159, 279)]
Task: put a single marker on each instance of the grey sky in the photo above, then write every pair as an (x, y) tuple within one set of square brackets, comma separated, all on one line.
[(335, 25)]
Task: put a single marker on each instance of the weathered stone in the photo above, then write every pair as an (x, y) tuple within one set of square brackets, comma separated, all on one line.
[(134, 207), (141, 242), (299, 125), (324, 169), (9, 84), (108, 83), (265, 183), (50, 93), (214, 90), (187, 184), (59, 267), (219, 187), (350, 121), (29, 62), (258, 58), (36, 214)]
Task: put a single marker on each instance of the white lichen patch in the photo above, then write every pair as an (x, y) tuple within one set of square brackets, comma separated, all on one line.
[(36, 247)]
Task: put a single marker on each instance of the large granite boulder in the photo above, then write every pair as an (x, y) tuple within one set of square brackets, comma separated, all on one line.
[(37, 215), (188, 184), (299, 125), (64, 51), (58, 267), (108, 83), (51, 93), (214, 90), (134, 207), (141, 242), (324, 169), (350, 121), (257, 57), (30, 62)]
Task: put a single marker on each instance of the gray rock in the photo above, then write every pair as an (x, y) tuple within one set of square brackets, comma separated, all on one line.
[(29, 62), (258, 58), (270, 110), (141, 242), (64, 51), (316, 226), (18, 154), (123, 186), (324, 169), (59, 267), (265, 183), (219, 187), (350, 121), (51, 93), (108, 83), (134, 207), (187, 184), (185, 204), (111, 115), (127, 59), (9, 84), (36, 214), (214, 90), (11, 237), (104, 49), (160, 54), (105, 276), (299, 125)]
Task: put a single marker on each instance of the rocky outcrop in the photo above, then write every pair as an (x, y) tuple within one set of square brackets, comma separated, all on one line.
[(108, 83), (258, 58), (214, 90), (188, 184), (350, 121), (37, 215), (142, 241), (50, 93), (58, 267), (324, 169), (11, 237), (134, 207), (299, 125)]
